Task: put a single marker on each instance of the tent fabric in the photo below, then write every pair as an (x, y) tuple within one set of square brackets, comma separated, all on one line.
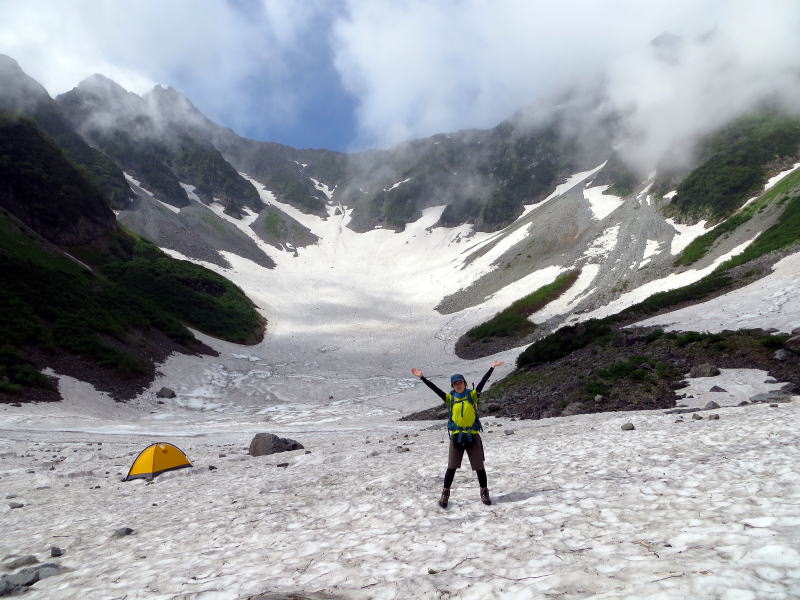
[(156, 459)]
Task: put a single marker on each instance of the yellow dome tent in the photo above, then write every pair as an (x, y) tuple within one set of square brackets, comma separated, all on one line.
[(156, 459)]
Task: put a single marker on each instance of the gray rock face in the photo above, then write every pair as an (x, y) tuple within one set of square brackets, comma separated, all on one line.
[(716, 388), (165, 392), (599, 398), (55, 551), (711, 405), (782, 355), (508, 431), (713, 417), (15, 505), (704, 370), (697, 417), (628, 427), (788, 388), (264, 444)]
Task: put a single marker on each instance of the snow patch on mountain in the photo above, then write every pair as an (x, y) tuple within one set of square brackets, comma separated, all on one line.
[(773, 180), (603, 244), (135, 182), (685, 234), (397, 185), (601, 204), (562, 188)]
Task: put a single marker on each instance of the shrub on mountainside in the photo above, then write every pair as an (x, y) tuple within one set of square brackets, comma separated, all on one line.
[(513, 321), (565, 341)]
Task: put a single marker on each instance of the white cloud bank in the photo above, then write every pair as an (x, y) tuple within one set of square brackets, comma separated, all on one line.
[(419, 67)]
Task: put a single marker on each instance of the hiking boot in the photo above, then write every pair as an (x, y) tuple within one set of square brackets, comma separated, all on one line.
[(445, 497), (485, 496)]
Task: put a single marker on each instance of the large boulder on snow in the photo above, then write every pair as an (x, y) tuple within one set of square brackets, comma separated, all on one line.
[(704, 370), (165, 392), (268, 443)]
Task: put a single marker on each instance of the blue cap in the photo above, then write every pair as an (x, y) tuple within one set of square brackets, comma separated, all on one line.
[(457, 377)]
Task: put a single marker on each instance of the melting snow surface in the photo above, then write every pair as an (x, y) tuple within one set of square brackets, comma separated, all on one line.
[(601, 204)]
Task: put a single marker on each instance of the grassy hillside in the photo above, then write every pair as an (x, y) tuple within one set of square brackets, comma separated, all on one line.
[(701, 245), (110, 316), (734, 164)]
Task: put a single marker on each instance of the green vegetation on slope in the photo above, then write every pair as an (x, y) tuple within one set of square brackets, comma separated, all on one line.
[(102, 312), (735, 165), (513, 321), (700, 246)]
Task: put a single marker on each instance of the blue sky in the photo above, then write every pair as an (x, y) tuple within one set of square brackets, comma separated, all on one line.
[(355, 74)]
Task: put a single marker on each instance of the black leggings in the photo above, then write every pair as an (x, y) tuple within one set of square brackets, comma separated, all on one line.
[(449, 474)]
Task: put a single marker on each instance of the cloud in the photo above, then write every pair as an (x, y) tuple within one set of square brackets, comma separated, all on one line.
[(221, 54), (418, 68)]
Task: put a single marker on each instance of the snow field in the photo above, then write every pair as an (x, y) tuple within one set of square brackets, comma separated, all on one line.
[(706, 509)]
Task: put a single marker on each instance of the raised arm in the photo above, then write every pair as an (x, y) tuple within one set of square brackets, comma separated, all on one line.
[(430, 384), (479, 387)]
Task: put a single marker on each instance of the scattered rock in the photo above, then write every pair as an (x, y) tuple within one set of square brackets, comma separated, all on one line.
[(628, 427), (222, 455), (599, 398), (11, 496), (716, 388), (264, 444), (282, 465), (122, 532), (793, 344), (704, 370), (373, 454), (508, 431), (772, 330), (796, 331), (770, 380), (55, 551), (14, 583), (773, 406), (574, 408), (782, 355), (697, 417), (21, 561), (680, 411), (165, 392), (711, 405), (743, 403), (780, 397), (15, 504), (713, 417), (788, 388), (679, 420), (212, 468)]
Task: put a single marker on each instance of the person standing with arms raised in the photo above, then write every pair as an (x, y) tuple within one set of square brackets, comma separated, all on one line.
[(464, 428)]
